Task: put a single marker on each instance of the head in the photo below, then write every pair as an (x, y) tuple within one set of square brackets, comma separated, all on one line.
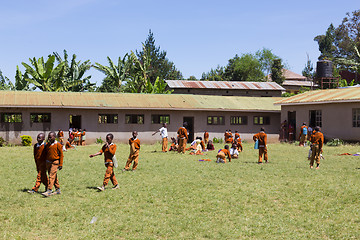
[(317, 128), (109, 138), (236, 131), (134, 134), (84, 129), (229, 130), (234, 145), (226, 147), (80, 130), (60, 130), (40, 138), (185, 124), (164, 125), (304, 123), (262, 129), (210, 142), (51, 137)]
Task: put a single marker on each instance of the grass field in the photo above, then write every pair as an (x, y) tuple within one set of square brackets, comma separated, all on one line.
[(174, 196)]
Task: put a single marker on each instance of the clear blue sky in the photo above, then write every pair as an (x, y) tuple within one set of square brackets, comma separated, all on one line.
[(197, 35)]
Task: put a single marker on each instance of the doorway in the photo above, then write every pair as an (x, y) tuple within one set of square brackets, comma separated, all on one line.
[(190, 128), (292, 125), (75, 121)]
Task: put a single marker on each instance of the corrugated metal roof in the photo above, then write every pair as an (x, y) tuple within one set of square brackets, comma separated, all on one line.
[(298, 83), (289, 75), (225, 85), (135, 101), (351, 94)]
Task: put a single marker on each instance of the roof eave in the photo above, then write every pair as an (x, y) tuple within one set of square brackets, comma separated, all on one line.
[(319, 102)]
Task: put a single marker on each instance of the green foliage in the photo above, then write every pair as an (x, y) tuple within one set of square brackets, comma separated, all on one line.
[(308, 71), (192, 78), (301, 90), (5, 83), (326, 43), (244, 68), (266, 58), (2, 141), (276, 72), (21, 81), (217, 140), (214, 74), (26, 140), (335, 142), (99, 140)]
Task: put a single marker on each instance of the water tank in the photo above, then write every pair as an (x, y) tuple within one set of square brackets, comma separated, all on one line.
[(324, 69)]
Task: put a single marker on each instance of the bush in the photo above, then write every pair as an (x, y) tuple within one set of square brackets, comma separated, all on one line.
[(2, 142), (217, 140), (99, 140), (335, 142), (26, 140)]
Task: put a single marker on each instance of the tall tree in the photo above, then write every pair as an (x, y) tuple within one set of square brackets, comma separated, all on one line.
[(326, 43), (266, 58), (160, 66), (21, 81), (308, 71), (244, 68), (276, 72), (115, 75), (74, 79), (214, 74)]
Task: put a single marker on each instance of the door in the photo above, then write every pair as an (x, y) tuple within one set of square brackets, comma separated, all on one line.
[(75, 121), (292, 125), (190, 128)]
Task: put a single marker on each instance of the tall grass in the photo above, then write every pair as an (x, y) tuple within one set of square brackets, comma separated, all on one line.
[(174, 196)]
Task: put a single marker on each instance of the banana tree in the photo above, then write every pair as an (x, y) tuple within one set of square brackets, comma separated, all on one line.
[(5, 83), (353, 64)]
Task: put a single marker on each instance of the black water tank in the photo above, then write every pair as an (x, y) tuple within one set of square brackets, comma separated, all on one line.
[(324, 69)]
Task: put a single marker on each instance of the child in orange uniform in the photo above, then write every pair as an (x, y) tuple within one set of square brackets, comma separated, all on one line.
[(317, 142), (221, 156), (40, 162), (134, 143), (183, 137), (54, 161), (109, 149), (83, 137), (206, 137), (262, 138)]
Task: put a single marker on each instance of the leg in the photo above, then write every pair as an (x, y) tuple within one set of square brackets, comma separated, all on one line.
[(136, 160), (129, 161), (313, 153), (164, 144), (261, 151), (180, 145), (184, 145), (52, 168), (265, 155)]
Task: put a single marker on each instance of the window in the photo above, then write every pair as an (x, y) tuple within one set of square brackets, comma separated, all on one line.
[(40, 117), (11, 118), (356, 117), (216, 120), (315, 118), (134, 119), (160, 118), (238, 120), (262, 120), (108, 118)]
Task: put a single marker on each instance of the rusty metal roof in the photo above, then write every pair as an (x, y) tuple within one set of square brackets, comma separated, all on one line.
[(289, 75), (92, 100), (299, 83), (350, 94), (225, 85)]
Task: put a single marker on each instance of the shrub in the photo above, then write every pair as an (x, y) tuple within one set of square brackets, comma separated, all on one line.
[(99, 140), (217, 140), (2, 141), (335, 142), (26, 140)]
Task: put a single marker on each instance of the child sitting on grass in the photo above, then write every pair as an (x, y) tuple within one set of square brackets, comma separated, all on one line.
[(221, 156)]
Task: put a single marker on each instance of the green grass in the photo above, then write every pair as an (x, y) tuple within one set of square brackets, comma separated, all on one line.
[(174, 196)]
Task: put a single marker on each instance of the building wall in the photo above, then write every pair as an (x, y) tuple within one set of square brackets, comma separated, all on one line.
[(336, 119), (11, 132), (229, 92)]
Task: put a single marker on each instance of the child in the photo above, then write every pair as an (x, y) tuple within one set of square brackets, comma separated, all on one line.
[(60, 136), (210, 146), (109, 149), (82, 137), (174, 145), (234, 153), (54, 161), (262, 138), (221, 156), (134, 143), (40, 162)]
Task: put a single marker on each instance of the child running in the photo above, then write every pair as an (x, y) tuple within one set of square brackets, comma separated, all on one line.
[(109, 150), (134, 143)]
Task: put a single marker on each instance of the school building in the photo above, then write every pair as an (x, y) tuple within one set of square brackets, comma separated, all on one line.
[(28, 113), (336, 111)]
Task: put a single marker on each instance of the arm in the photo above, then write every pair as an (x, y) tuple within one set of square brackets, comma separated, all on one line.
[(98, 153), (61, 155), (156, 132), (255, 137), (112, 149)]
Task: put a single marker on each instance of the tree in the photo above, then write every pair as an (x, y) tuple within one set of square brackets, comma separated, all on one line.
[(276, 72), (115, 74), (160, 66), (326, 43), (192, 78), (266, 58), (214, 74), (308, 71), (244, 68), (45, 75), (5, 83), (73, 78), (21, 81)]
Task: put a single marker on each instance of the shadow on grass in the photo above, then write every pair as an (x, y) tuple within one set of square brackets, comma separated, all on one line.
[(24, 190)]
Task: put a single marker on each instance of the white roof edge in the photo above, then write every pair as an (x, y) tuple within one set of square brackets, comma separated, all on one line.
[(320, 102)]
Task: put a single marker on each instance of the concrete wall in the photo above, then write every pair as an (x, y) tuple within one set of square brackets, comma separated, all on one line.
[(229, 92), (11, 132), (336, 119)]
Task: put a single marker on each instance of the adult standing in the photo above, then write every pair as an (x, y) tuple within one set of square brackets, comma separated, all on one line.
[(164, 136), (183, 137), (262, 138)]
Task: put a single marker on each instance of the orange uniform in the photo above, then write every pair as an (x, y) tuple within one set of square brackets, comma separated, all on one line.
[(83, 138), (206, 137), (54, 158), (302, 136), (134, 153), (239, 144), (262, 138), (40, 161), (61, 136), (109, 152), (183, 137), (237, 135), (317, 140), (222, 154)]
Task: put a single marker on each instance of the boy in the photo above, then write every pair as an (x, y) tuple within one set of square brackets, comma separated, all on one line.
[(134, 143), (83, 137), (164, 136), (183, 137), (206, 137), (109, 149), (262, 137), (303, 135), (40, 162), (317, 140), (60, 135), (54, 161), (234, 153), (221, 156)]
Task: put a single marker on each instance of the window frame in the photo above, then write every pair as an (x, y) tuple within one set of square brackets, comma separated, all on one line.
[(132, 116), (220, 120), (14, 117), (159, 117), (243, 120), (36, 119), (356, 117), (265, 121), (104, 118)]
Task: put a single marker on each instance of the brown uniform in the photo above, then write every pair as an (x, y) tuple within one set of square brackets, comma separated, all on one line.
[(302, 136), (222, 154), (61, 136), (134, 153), (183, 137), (239, 144), (317, 140), (54, 158), (262, 137), (109, 153), (40, 161), (206, 137)]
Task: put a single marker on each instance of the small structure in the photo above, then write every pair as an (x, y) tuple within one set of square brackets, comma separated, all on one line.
[(336, 111), (28, 113), (226, 88)]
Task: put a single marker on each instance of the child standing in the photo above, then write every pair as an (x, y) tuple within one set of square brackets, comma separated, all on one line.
[(109, 150), (40, 162), (54, 161), (134, 143)]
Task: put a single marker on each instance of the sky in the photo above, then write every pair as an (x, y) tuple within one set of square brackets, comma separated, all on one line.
[(196, 34)]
